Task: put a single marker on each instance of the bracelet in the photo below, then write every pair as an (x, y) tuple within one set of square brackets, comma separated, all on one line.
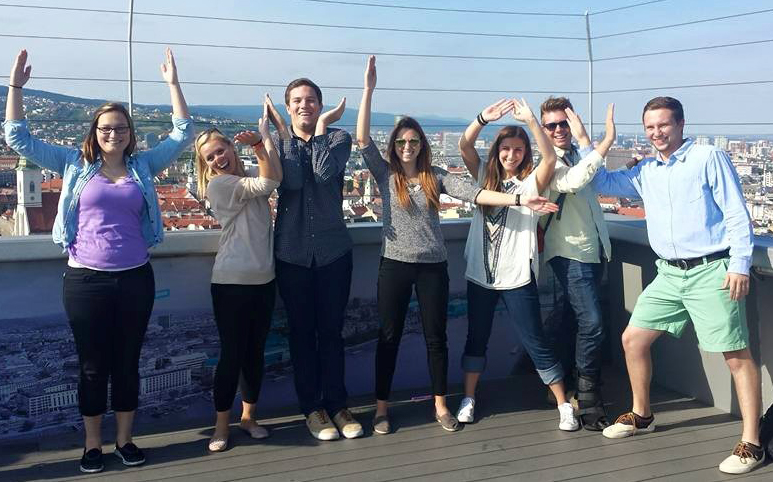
[(257, 144), (14, 86), (481, 120), (517, 199)]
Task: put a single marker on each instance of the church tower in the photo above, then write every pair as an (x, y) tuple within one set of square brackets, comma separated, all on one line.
[(28, 192)]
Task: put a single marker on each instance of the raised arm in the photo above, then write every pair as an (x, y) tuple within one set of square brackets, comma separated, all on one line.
[(572, 179), (276, 118), (20, 74), (330, 150), (17, 136), (169, 72), (363, 115), (547, 165), (491, 113), (168, 151)]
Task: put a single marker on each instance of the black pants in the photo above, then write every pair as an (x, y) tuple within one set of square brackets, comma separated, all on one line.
[(243, 317), (396, 280), (315, 299), (108, 313)]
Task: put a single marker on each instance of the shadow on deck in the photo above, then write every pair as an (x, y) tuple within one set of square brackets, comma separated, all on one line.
[(515, 438)]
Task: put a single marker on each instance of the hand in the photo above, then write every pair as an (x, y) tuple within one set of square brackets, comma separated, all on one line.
[(539, 204), (522, 112), (738, 284), (609, 124), (169, 68), (634, 161), (496, 111), (248, 137), (576, 126), (275, 117), (333, 115), (370, 73), (263, 122), (20, 72)]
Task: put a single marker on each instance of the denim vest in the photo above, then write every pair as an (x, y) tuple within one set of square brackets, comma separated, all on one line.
[(76, 172)]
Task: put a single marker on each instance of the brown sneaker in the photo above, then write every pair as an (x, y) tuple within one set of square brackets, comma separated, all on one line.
[(745, 458), (447, 421), (346, 423), (629, 424)]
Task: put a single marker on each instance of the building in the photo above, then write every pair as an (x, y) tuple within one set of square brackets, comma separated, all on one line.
[(702, 141), (720, 142), (53, 399), (154, 383)]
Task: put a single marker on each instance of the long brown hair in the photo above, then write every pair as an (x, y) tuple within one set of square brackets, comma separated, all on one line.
[(91, 146), (203, 172), (495, 172), (423, 165)]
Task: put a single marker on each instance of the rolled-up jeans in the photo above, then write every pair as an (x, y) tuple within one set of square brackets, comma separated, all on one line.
[(523, 309)]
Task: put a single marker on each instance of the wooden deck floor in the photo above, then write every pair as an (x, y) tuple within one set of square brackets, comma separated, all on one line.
[(516, 438)]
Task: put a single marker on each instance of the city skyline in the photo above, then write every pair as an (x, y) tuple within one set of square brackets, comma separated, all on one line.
[(232, 54)]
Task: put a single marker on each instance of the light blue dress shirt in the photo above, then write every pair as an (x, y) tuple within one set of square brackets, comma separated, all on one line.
[(694, 203)]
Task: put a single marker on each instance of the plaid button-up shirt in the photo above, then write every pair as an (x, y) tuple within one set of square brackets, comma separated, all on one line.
[(309, 225)]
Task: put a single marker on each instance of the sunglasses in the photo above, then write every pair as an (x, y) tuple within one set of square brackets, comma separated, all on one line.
[(120, 130), (207, 132), (400, 143), (551, 126)]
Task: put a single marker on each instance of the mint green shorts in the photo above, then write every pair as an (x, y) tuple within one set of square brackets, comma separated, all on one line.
[(677, 296)]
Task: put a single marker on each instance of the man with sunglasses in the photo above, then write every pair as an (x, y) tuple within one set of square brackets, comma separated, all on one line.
[(576, 240), (314, 255), (698, 225)]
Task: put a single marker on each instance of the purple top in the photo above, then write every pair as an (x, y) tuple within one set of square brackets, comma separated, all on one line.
[(109, 235)]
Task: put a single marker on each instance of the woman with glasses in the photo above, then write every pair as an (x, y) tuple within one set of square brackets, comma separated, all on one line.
[(107, 218), (502, 249), (243, 288), (413, 252)]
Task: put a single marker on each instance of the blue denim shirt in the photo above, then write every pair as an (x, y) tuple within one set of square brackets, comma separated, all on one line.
[(694, 202), (76, 172)]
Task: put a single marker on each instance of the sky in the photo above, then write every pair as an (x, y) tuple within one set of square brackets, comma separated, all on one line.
[(223, 62)]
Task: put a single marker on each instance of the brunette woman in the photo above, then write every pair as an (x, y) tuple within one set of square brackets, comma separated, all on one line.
[(413, 250), (108, 217), (501, 251)]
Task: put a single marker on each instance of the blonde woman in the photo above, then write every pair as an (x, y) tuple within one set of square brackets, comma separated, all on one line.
[(243, 288)]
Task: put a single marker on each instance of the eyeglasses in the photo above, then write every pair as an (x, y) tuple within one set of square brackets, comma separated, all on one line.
[(400, 143), (120, 130), (551, 126)]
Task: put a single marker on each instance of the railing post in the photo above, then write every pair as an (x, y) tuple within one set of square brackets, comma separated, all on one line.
[(590, 76), (129, 47)]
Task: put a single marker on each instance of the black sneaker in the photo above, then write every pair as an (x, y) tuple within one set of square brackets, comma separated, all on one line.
[(91, 462), (130, 454)]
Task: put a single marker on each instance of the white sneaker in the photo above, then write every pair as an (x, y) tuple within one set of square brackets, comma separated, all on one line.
[(625, 426), (320, 426), (466, 413), (745, 458), (347, 425), (568, 421)]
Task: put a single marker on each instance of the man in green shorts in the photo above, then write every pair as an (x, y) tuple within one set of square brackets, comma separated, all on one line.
[(698, 225)]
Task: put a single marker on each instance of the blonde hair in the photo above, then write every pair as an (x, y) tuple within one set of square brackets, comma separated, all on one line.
[(203, 172)]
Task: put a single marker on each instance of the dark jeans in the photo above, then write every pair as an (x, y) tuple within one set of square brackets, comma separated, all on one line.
[(243, 317), (523, 307), (315, 300), (108, 312), (396, 280), (580, 284)]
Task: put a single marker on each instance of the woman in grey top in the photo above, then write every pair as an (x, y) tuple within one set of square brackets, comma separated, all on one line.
[(413, 250)]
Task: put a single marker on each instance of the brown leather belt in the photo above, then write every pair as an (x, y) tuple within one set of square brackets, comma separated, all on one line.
[(686, 264)]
